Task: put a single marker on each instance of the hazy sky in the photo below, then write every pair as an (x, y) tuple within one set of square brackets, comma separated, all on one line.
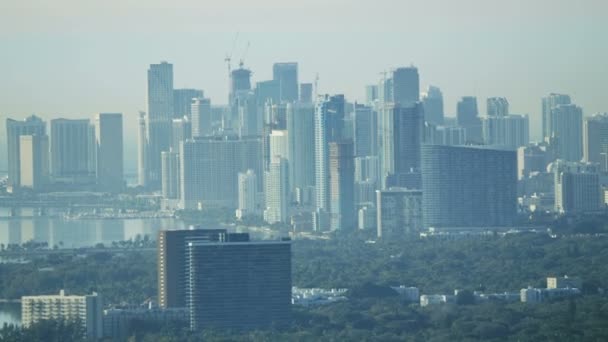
[(73, 58)]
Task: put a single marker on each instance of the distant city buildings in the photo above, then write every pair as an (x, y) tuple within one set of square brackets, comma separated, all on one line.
[(73, 151), (109, 151), (577, 187), (286, 75), (510, 131), (432, 101), (497, 106), (595, 140), (32, 125), (567, 132), (467, 116), (399, 212)]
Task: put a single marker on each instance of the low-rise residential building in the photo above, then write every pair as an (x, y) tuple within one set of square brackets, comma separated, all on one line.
[(564, 282)]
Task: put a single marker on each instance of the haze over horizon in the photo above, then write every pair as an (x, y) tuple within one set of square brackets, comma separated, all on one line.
[(68, 59)]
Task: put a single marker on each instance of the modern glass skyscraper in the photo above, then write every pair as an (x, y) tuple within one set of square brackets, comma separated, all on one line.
[(73, 151), (32, 125), (432, 102), (342, 215), (549, 103), (109, 139), (595, 140), (467, 116), (567, 132), (182, 100), (406, 86), (201, 117), (468, 187), (365, 131), (286, 74), (511, 131), (158, 119)]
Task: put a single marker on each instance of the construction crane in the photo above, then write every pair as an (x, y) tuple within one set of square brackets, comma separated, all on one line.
[(228, 57), (242, 60)]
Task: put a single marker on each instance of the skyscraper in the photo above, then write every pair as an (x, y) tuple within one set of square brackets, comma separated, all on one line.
[(342, 214), (306, 92), (567, 132), (371, 94), (398, 212), (34, 161), (468, 117), (497, 106), (549, 103), (108, 135), (595, 140), (142, 148), (577, 187), (406, 86), (201, 117), (240, 81), (300, 125), (267, 91), (365, 131), (172, 263), (32, 125), (182, 100), (286, 74), (277, 190), (248, 194), (511, 131), (237, 284), (158, 119), (468, 187), (73, 151), (329, 125), (432, 101), (209, 170), (181, 130), (170, 170)]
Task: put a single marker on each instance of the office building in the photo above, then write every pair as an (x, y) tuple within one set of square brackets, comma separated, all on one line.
[(286, 74), (267, 91), (88, 310), (406, 86), (32, 125), (532, 158), (34, 161), (181, 130), (182, 102), (577, 187), (432, 102), (548, 104), (366, 168), (306, 92), (399, 212), (245, 111), (277, 190), (142, 148), (497, 106), (240, 82), (371, 94), (172, 263), (209, 170), (508, 131), (468, 187), (109, 144), (73, 151), (567, 132), (595, 140), (467, 116), (202, 121), (329, 125), (158, 120), (300, 125), (237, 284), (445, 135), (248, 194), (170, 171), (365, 131), (341, 186)]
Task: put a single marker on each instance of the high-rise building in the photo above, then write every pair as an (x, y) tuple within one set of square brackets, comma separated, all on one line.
[(577, 187), (532, 158), (170, 179), (202, 122), (240, 81), (109, 144), (329, 125), (371, 94), (549, 103), (158, 119), (567, 132), (467, 117), (267, 91), (182, 100), (595, 140), (209, 170), (142, 148), (238, 284), (510, 131), (366, 168), (246, 114), (497, 106), (86, 310), (300, 125), (34, 161), (181, 130), (286, 74), (306, 92), (403, 135), (445, 135), (248, 194), (365, 131), (172, 263), (398, 212), (32, 125), (432, 101), (342, 214), (277, 190), (468, 186), (406, 86), (73, 151)]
